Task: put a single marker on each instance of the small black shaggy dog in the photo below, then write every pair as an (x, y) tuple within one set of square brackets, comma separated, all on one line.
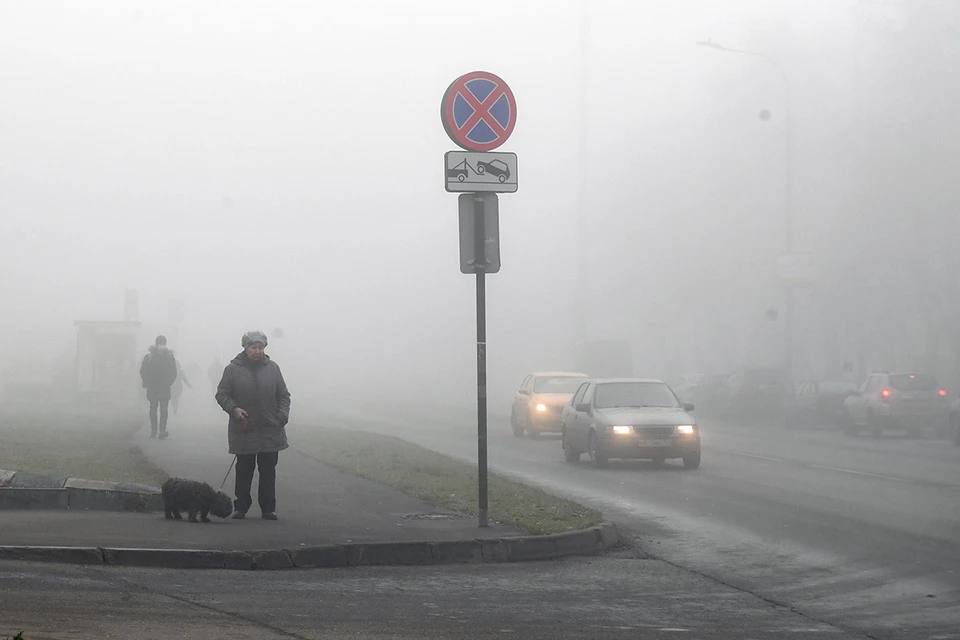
[(193, 497)]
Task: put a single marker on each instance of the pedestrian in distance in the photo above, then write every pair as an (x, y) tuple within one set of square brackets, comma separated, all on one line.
[(158, 372), (253, 393)]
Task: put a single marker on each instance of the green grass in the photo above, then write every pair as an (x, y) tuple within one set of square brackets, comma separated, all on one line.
[(75, 445), (444, 481)]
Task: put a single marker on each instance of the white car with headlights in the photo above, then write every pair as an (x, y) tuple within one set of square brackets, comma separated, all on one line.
[(629, 418)]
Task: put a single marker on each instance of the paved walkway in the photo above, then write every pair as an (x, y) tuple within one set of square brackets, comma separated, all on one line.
[(317, 504)]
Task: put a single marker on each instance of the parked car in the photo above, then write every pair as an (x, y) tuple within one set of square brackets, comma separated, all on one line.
[(818, 403), (629, 418), (914, 402), (539, 400), (753, 394)]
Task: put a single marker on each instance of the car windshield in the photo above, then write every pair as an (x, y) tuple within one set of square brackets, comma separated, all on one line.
[(913, 382), (564, 384), (634, 394)]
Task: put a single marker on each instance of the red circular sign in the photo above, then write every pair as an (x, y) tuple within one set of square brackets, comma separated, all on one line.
[(478, 111)]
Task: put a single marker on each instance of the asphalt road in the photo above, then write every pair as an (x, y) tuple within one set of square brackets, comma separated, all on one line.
[(861, 533), (616, 597)]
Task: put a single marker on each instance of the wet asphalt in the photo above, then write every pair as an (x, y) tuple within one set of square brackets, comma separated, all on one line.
[(862, 533)]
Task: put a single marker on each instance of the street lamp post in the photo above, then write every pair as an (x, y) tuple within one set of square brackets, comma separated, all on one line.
[(580, 328), (787, 192)]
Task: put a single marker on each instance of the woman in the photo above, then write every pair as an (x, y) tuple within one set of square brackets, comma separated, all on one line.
[(252, 391)]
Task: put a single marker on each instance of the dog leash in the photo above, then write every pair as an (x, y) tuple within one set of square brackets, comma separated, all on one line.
[(229, 469)]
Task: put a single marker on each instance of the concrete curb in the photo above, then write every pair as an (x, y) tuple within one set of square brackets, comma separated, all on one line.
[(21, 490), (512, 549)]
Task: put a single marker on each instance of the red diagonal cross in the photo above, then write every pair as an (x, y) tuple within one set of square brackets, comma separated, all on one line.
[(481, 111)]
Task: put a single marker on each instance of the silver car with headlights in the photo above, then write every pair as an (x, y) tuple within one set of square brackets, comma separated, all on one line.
[(629, 418)]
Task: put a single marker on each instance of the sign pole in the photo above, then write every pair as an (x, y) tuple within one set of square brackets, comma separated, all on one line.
[(479, 112), (481, 265)]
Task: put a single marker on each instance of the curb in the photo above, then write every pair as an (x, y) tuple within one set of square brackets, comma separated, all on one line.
[(21, 490), (512, 549)]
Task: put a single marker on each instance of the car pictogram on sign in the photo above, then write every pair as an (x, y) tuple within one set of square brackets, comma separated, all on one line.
[(496, 168)]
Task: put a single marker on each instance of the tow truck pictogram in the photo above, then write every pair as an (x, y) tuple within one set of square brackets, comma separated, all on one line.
[(461, 171)]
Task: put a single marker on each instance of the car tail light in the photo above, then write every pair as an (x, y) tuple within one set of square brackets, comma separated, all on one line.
[(886, 393), (942, 393)]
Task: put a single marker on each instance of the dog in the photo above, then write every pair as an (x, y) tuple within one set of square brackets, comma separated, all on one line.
[(193, 497)]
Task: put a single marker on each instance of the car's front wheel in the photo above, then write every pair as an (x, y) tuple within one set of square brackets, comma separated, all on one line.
[(515, 425), (692, 461), (569, 453), (597, 457)]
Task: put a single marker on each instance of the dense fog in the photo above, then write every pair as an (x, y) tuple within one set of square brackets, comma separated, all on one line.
[(208, 169)]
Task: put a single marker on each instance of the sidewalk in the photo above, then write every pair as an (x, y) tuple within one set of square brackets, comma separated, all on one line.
[(317, 506)]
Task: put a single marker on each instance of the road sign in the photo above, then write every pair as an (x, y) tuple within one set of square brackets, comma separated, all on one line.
[(471, 171), (478, 111), (479, 219)]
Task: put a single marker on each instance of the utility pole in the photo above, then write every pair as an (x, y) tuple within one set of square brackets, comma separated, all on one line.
[(788, 203)]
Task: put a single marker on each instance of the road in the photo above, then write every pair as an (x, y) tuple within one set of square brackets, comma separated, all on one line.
[(860, 533), (617, 597)]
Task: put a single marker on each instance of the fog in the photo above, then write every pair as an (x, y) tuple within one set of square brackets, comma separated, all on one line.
[(249, 165)]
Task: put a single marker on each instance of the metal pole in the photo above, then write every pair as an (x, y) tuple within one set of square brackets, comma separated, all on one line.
[(788, 215), (481, 265), (579, 315)]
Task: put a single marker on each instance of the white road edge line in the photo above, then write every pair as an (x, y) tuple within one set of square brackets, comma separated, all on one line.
[(752, 455), (859, 473)]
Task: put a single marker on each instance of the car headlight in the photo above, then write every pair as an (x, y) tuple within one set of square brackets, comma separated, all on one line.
[(541, 408), (622, 430), (686, 429)]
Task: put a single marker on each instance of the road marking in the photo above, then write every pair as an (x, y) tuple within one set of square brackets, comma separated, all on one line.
[(753, 455), (854, 472)]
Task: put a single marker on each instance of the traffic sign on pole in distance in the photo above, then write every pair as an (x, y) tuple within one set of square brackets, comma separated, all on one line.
[(478, 111), (466, 171), (479, 218)]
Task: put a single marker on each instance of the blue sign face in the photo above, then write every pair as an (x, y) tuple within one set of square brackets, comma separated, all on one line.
[(479, 111)]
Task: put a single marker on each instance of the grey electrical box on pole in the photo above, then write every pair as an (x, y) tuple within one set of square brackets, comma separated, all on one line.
[(483, 255)]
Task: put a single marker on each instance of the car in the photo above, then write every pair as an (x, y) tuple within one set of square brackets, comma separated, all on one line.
[(496, 168), (818, 403), (629, 418), (539, 400), (753, 394), (903, 401)]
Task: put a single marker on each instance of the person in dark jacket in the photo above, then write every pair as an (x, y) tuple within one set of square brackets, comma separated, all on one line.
[(253, 393), (158, 372)]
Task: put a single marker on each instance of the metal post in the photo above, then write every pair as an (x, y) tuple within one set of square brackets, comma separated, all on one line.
[(481, 265)]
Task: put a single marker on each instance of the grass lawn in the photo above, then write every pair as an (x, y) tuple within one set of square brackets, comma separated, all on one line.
[(75, 445), (444, 481)]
